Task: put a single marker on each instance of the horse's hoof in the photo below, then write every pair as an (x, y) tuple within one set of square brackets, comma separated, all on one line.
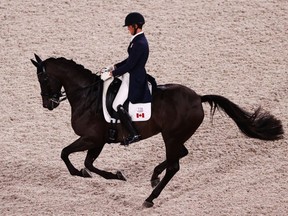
[(155, 182), (120, 176), (148, 204), (86, 173)]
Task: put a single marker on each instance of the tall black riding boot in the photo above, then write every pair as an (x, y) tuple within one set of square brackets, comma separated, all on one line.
[(128, 124)]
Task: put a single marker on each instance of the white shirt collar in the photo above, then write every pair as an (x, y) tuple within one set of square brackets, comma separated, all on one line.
[(136, 35)]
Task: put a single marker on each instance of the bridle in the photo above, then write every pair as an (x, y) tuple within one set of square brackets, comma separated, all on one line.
[(44, 80), (55, 97)]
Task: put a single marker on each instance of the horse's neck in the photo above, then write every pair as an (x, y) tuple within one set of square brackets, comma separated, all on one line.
[(75, 86), (75, 79), (75, 91), (83, 92)]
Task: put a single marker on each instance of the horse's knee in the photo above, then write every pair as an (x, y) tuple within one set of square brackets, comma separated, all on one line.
[(64, 153)]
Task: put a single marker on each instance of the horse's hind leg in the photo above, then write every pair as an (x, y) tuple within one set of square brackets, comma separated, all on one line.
[(162, 166), (157, 171), (91, 157), (172, 169), (173, 153)]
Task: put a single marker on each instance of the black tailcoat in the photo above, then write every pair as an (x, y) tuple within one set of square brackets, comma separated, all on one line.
[(138, 51)]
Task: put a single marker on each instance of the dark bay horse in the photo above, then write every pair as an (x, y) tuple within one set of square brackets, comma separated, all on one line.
[(177, 112)]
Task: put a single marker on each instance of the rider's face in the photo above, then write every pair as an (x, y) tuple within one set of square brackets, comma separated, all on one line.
[(130, 29)]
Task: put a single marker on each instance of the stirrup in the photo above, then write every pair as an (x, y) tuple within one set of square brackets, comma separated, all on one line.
[(131, 139), (112, 132)]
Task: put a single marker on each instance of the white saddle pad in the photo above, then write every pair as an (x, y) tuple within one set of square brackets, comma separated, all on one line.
[(138, 112)]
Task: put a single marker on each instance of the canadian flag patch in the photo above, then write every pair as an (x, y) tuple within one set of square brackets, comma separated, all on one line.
[(140, 115), (140, 111)]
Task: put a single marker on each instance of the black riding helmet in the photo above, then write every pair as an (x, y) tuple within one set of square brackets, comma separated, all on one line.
[(134, 18)]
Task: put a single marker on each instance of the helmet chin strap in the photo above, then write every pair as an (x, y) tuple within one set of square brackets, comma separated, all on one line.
[(135, 29)]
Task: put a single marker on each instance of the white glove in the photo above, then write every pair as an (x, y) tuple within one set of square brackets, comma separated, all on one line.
[(108, 69), (105, 75)]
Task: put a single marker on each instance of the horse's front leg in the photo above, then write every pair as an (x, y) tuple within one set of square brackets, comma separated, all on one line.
[(81, 144), (91, 157)]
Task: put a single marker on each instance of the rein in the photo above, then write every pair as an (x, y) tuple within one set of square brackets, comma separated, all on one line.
[(63, 95), (46, 90)]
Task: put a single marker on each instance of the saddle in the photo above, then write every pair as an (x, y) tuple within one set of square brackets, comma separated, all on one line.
[(110, 96), (138, 112)]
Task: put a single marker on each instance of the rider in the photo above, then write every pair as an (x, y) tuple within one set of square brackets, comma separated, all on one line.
[(133, 67)]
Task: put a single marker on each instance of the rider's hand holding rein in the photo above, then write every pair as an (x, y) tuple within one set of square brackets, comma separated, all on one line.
[(107, 69), (106, 72)]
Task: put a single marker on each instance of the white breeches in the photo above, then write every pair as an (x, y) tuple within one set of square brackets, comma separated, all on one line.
[(122, 94)]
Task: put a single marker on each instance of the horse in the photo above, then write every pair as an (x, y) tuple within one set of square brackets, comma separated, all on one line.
[(169, 101)]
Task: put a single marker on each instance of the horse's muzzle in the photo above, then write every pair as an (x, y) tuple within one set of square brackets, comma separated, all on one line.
[(51, 104)]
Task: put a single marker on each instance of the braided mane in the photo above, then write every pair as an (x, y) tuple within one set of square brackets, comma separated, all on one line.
[(93, 92), (71, 63)]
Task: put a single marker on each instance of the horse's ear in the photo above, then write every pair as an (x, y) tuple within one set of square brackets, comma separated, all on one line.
[(35, 63), (38, 58)]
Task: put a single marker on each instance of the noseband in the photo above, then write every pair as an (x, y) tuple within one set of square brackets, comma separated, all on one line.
[(46, 90), (44, 80)]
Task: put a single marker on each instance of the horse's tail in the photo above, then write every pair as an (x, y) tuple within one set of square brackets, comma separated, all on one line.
[(260, 125)]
